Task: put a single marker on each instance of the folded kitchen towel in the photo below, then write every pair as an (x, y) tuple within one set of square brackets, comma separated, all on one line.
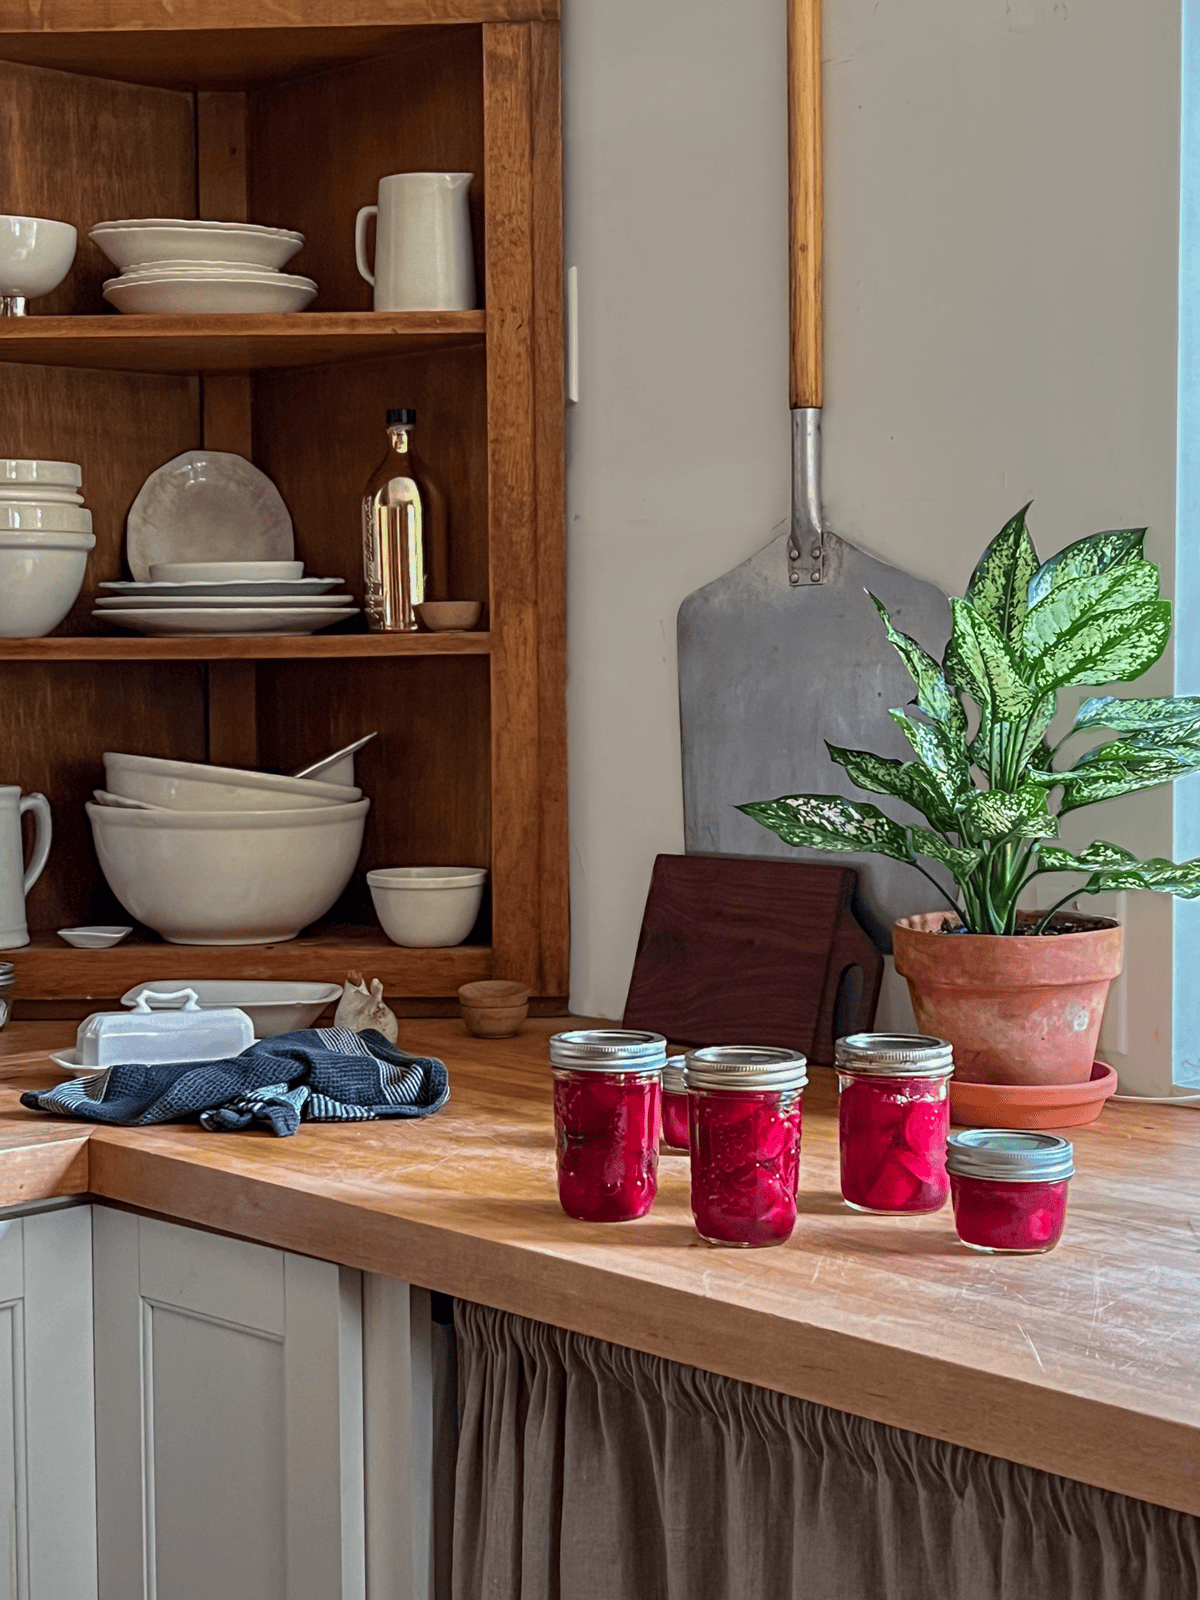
[(313, 1075)]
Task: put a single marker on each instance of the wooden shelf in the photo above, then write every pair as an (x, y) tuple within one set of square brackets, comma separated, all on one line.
[(245, 647), (54, 971), (232, 343)]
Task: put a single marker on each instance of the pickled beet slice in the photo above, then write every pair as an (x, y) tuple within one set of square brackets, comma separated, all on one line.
[(675, 1120)]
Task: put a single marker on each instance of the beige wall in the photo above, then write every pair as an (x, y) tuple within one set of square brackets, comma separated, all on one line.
[(1002, 181)]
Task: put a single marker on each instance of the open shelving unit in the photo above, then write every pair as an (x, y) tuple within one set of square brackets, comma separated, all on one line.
[(209, 108)]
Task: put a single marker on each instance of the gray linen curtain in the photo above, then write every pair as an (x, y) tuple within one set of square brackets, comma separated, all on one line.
[(587, 1471)]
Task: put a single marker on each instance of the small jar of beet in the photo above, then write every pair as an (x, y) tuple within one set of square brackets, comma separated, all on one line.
[(1009, 1189), (675, 1105), (745, 1103), (893, 1120), (607, 1121)]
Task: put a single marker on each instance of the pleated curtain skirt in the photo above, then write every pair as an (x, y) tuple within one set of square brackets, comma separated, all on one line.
[(586, 1471)]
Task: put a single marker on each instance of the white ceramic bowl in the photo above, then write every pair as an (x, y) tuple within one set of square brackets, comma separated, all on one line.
[(35, 255), (194, 268), (194, 786), (337, 768), (103, 797), (169, 297), (273, 1008), (424, 907), (41, 575), (141, 241), (27, 473), (226, 571), (46, 517), (228, 877)]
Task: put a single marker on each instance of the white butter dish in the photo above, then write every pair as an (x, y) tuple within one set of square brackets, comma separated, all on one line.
[(152, 1035)]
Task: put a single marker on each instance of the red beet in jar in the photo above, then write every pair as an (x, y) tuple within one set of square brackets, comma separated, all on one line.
[(893, 1121), (675, 1105), (1009, 1188), (745, 1139), (607, 1121)]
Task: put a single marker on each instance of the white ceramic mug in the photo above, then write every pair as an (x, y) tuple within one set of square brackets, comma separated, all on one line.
[(423, 255), (16, 879)]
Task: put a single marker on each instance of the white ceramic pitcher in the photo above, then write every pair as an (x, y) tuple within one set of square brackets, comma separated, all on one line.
[(16, 879), (423, 255)]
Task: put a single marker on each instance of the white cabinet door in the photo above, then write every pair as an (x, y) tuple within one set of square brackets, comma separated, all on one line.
[(229, 1427), (47, 1461)]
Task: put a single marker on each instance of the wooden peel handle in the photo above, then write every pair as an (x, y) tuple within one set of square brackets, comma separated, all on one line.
[(806, 307)]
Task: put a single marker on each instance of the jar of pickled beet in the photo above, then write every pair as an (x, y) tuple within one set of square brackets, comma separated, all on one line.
[(1009, 1188), (607, 1121), (674, 1105), (745, 1138), (893, 1120)]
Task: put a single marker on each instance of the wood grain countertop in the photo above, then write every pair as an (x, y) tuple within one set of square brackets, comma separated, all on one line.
[(1082, 1362)]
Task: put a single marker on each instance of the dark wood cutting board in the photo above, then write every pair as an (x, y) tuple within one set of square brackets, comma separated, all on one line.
[(736, 950)]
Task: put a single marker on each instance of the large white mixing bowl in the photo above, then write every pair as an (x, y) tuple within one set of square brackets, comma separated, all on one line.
[(195, 786), (226, 877)]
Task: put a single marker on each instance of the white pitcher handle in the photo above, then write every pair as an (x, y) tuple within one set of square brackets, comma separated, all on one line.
[(40, 806), (360, 240)]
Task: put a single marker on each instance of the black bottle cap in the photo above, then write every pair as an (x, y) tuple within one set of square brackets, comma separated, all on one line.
[(401, 417)]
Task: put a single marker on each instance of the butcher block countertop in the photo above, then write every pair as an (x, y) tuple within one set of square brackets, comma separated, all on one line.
[(1082, 1362)]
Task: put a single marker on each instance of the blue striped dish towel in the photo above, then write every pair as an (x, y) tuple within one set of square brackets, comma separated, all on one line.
[(313, 1075)]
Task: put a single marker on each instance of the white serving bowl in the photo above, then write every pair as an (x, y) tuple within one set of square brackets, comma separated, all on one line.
[(424, 907), (226, 571), (195, 786), (44, 517), (169, 297), (41, 575), (273, 1008), (18, 472), (143, 241), (35, 255), (228, 877)]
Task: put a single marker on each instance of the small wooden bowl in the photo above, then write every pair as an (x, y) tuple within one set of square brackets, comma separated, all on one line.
[(493, 1008), (1023, 1105), (450, 616)]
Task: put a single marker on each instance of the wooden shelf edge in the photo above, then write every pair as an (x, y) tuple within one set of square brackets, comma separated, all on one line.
[(245, 647)]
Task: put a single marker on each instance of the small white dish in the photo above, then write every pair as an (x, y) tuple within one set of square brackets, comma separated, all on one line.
[(207, 505), (94, 938), (50, 516), (144, 240), (337, 768), (167, 296), (226, 571), (214, 622), (427, 907), (35, 256), (273, 1008)]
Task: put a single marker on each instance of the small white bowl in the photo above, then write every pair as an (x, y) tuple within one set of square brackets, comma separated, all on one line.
[(35, 255), (94, 938), (30, 472), (41, 575), (226, 571), (425, 908), (50, 516)]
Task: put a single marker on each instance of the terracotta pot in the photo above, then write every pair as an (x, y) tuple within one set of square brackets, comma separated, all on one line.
[(1016, 1010)]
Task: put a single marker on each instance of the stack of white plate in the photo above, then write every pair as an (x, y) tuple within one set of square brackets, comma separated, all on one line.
[(226, 597), (170, 266), (45, 536)]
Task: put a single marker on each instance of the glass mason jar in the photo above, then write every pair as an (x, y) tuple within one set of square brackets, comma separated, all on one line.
[(745, 1108), (675, 1106), (893, 1121), (607, 1121), (7, 982), (1009, 1188)]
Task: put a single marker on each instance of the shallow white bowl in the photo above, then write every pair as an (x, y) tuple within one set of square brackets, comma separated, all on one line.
[(104, 797), (226, 571), (425, 907), (45, 517), (225, 877), (94, 938), (195, 268), (273, 1008), (41, 575), (194, 786), (167, 296), (35, 254), (144, 240), (18, 471), (337, 768)]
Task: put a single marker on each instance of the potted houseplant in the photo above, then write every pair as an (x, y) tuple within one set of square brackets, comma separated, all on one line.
[(1019, 994)]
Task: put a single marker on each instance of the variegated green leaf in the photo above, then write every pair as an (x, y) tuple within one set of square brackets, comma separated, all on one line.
[(999, 586), (1114, 647), (1128, 716), (1085, 786), (1181, 743), (994, 814), (828, 822), (1086, 558), (1181, 879), (1051, 858), (1076, 605), (1035, 751), (905, 780), (934, 695), (961, 859), (979, 660), (942, 754)]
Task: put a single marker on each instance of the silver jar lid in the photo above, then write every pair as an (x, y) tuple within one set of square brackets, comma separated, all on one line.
[(1009, 1156), (608, 1050), (7, 974), (673, 1079), (895, 1055), (745, 1066)]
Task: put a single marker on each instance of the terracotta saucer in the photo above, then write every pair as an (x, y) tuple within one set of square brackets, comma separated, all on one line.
[(1019, 1105)]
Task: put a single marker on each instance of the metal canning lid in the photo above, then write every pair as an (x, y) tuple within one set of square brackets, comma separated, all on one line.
[(1008, 1156), (608, 1050), (673, 1079), (895, 1055), (7, 975), (745, 1066)]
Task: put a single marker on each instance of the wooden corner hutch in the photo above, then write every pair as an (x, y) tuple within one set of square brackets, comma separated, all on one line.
[(289, 114)]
